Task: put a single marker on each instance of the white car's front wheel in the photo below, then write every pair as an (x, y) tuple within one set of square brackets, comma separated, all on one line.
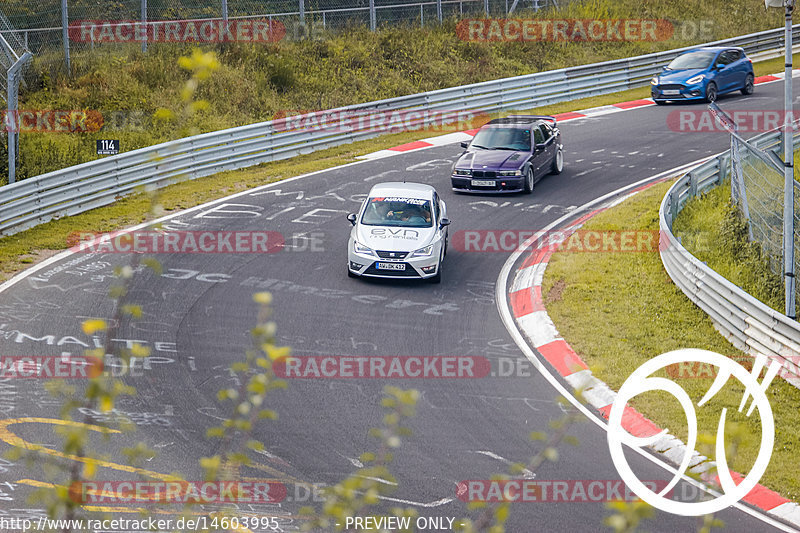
[(438, 277)]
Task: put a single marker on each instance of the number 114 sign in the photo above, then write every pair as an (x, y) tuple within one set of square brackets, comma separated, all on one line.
[(107, 146)]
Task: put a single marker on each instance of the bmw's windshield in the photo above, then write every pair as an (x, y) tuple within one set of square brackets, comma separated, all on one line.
[(518, 139), (692, 60), (396, 211)]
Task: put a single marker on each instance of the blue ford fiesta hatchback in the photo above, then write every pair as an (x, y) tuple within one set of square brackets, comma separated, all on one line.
[(704, 74)]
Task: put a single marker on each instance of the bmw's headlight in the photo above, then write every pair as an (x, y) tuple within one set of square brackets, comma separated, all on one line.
[(654, 81), (361, 249), (462, 172), (510, 173), (696, 79), (423, 252)]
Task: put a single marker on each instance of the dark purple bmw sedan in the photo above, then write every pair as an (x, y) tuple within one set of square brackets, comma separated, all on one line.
[(509, 154)]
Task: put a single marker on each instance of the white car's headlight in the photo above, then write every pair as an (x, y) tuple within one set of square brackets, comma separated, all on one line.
[(509, 173), (654, 81), (696, 79), (361, 249), (423, 252)]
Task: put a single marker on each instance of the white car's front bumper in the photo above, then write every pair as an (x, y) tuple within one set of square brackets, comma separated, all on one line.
[(377, 267)]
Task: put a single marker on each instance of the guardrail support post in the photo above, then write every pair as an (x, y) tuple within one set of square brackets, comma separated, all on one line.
[(673, 208), (439, 10), (486, 7)]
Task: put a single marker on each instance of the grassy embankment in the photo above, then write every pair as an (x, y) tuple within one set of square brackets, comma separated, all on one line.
[(715, 232), (618, 310)]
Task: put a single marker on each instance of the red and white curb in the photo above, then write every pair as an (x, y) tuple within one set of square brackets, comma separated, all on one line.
[(528, 310), (460, 136)]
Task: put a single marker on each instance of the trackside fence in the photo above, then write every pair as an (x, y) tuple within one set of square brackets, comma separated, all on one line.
[(82, 187), (746, 322)]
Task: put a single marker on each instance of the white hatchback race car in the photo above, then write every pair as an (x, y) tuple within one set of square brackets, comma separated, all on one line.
[(399, 232)]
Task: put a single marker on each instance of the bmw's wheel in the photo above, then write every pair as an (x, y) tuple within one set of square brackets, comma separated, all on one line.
[(529, 181), (558, 162), (749, 85), (711, 92)]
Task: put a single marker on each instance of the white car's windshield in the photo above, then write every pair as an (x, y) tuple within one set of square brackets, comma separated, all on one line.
[(503, 139), (692, 60), (398, 211)]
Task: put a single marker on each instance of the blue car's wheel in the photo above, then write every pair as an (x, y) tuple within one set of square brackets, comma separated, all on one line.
[(749, 85), (711, 92)]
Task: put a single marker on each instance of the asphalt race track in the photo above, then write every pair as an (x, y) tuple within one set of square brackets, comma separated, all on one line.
[(199, 312)]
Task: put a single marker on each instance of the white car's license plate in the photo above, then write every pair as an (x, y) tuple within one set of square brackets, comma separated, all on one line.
[(483, 183), (391, 266), (670, 92)]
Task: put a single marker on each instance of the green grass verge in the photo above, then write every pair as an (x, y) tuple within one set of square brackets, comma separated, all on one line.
[(618, 310), (713, 230)]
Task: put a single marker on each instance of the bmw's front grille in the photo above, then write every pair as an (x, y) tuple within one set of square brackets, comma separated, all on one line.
[(484, 174), (391, 255)]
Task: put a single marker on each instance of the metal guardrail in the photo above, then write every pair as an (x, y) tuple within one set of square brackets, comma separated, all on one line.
[(746, 322), (82, 187)]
